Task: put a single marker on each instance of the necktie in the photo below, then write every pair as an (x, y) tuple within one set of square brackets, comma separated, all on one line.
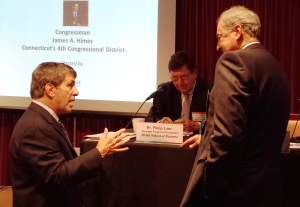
[(186, 107), (65, 131)]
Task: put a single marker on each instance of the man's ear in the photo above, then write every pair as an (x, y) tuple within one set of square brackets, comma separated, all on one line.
[(195, 71), (49, 90), (238, 30)]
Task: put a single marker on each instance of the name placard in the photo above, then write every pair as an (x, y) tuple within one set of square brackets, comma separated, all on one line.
[(158, 132), (198, 116)]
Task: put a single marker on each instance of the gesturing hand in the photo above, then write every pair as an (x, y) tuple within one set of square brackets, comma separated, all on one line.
[(192, 142), (110, 145)]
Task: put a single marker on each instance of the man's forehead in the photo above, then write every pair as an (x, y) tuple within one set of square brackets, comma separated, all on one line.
[(179, 70), (69, 78), (219, 27)]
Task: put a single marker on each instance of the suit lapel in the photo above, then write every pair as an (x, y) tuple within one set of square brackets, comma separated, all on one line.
[(177, 105), (66, 139), (50, 119)]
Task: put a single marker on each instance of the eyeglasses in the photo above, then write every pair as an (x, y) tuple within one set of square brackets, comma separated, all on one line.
[(182, 77), (220, 36)]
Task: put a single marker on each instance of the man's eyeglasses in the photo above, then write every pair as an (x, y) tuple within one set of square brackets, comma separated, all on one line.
[(182, 77), (220, 36)]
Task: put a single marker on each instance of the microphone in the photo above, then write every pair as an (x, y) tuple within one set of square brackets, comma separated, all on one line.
[(160, 90), (157, 92)]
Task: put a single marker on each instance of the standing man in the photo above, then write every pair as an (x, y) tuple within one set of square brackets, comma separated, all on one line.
[(45, 169), (238, 159), (185, 96)]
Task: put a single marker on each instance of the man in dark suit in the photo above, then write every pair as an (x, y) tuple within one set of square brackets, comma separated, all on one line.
[(168, 107), (45, 169), (238, 159)]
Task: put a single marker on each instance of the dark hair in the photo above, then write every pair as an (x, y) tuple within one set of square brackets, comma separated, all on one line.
[(181, 58), (48, 72)]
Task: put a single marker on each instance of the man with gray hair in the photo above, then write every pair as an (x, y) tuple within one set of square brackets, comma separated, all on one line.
[(238, 158)]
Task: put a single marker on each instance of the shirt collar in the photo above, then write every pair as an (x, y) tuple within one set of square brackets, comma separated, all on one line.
[(190, 94), (46, 108), (251, 43)]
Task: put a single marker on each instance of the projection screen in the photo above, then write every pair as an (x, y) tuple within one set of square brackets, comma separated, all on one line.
[(120, 49)]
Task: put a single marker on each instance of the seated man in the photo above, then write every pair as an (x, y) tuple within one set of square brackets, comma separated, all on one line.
[(185, 97)]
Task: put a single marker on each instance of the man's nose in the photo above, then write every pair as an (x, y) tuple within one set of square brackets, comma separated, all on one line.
[(75, 92), (180, 80)]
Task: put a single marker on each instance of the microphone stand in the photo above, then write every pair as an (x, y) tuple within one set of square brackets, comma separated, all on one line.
[(159, 90), (135, 114)]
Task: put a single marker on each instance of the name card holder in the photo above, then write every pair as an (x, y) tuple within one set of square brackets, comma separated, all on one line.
[(159, 132)]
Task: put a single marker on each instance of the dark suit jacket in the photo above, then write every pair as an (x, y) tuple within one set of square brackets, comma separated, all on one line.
[(45, 170), (169, 104), (248, 113), (69, 18)]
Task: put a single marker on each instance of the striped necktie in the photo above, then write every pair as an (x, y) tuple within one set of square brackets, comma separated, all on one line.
[(65, 131), (186, 107)]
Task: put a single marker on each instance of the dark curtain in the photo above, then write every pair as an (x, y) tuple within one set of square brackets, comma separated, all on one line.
[(280, 32), (8, 121)]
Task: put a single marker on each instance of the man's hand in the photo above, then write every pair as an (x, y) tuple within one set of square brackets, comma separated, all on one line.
[(110, 145), (166, 120), (188, 125), (192, 142)]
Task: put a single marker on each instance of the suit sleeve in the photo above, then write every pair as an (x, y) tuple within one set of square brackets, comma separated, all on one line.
[(48, 158), (231, 97)]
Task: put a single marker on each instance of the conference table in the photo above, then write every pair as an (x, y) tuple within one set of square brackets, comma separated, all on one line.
[(156, 174), (148, 174)]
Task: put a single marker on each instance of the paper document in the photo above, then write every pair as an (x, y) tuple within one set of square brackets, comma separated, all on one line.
[(109, 134), (294, 145)]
